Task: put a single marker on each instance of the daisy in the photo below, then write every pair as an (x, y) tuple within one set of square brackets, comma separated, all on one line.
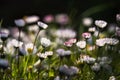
[(28, 49), (45, 42), (101, 23), (42, 25), (4, 33), (48, 18), (42, 56), (87, 21), (100, 42), (86, 35), (19, 22), (31, 19), (81, 44)]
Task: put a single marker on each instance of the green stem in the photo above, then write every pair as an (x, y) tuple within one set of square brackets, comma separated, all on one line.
[(35, 40), (18, 48)]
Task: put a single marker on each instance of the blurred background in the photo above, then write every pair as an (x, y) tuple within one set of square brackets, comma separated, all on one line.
[(98, 9)]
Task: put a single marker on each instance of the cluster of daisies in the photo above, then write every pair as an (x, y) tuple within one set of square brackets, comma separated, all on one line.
[(58, 44)]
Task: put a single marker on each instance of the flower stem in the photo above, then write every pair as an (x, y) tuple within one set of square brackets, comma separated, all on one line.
[(35, 40), (18, 48)]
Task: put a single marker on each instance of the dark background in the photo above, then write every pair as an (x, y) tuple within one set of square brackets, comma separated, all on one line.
[(13, 9)]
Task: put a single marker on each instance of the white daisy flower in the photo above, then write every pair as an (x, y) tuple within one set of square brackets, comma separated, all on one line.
[(16, 43), (100, 23), (42, 55), (87, 59), (87, 21), (28, 49), (45, 42), (31, 19), (92, 29), (19, 22), (86, 35), (9, 49), (112, 78), (100, 42), (42, 25), (49, 53), (81, 44)]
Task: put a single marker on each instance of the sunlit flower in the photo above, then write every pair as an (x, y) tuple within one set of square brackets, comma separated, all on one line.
[(11, 45), (62, 19), (87, 21), (91, 29), (65, 33), (42, 56), (96, 67), (48, 18), (49, 53), (31, 19), (112, 78), (19, 22), (70, 42), (86, 35), (81, 44), (100, 42), (45, 42), (42, 25), (103, 41), (101, 23), (28, 49), (9, 49)]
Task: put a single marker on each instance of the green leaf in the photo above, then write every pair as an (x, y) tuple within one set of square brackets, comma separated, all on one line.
[(96, 9), (51, 73)]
